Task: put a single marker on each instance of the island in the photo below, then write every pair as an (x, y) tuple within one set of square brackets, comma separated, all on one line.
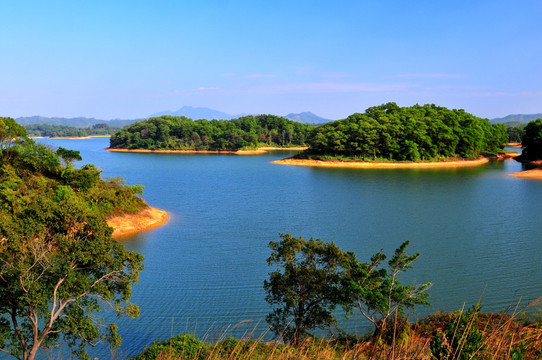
[(245, 135), (389, 136)]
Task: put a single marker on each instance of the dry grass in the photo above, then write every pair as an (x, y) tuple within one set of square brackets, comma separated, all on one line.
[(505, 336)]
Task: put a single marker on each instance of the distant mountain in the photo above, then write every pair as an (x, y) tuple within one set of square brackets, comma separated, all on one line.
[(80, 122), (307, 117), (524, 118), (196, 113)]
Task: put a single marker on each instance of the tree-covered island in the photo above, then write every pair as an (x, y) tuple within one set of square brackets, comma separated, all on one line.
[(416, 133), (181, 133)]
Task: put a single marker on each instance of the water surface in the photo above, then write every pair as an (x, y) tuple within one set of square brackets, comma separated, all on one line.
[(477, 230)]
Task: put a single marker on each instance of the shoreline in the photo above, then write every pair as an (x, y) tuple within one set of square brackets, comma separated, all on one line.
[(382, 165), (528, 174), (535, 173), (257, 151), (69, 137), (129, 224)]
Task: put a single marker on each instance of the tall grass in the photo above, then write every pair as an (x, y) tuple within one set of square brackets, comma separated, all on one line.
[(464, 334)]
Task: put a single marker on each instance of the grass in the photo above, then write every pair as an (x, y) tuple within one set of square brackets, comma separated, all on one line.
[(464, 334)]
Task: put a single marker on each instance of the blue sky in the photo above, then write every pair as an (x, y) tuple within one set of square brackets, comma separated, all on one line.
[(128, 59)]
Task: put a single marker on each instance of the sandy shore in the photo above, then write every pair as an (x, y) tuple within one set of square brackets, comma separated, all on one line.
[(514, 144), (530, 174), (260, 150), (382, 165), (144, 220), (535, 173)]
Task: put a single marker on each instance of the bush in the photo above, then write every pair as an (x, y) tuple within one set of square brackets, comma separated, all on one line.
[(183, 346)]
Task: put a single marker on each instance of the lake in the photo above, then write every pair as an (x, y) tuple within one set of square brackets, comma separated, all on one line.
[(477, 229)]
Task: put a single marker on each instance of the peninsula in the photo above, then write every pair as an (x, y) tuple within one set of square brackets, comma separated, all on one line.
[(131, 223)]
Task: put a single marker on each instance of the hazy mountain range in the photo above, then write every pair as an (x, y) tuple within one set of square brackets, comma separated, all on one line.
[(196, 113)]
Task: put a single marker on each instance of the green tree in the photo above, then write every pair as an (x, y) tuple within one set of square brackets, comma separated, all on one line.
[(9, 131), (59, 267), (377, 293), (304, 289), (68, 156), (59, 264), (532, 140)]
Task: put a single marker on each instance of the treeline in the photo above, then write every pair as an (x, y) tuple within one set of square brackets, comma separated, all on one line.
[(419, 132), (45, 130), (173, 132)]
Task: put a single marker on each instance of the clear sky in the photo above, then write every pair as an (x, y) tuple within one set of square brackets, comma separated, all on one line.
[(129, 59)]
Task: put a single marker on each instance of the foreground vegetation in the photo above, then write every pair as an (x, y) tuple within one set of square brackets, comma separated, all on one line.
[(181, 133), (313, 277), (389, 132), (459, 335), (59, 263)]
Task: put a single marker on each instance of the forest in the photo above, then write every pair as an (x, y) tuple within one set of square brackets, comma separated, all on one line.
[(419, 132), (46, 130), (181, 133)]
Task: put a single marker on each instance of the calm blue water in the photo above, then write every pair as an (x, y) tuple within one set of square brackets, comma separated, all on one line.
[(478, 231)]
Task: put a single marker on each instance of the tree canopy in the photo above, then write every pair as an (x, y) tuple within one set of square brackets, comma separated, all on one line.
[(59, 263), (390, 132), (173, 132), (313, 277), (532, 141), (305, 287)]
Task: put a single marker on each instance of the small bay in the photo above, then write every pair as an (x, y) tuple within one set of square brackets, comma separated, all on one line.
[(477, 230)]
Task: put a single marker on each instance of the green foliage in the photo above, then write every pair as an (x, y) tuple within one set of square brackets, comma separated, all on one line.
[(462, 339), (10, 134), (182, 346), (532, 141), (305, 287), (60, 265), (515, 133), (46, 130), (377, 293), (170, 132), (413, 133), (68, 156)]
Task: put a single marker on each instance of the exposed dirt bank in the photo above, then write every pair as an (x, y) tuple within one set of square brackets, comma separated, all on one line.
[(381, 165), (530, 174), (144, 220), (535, 173), (514, 144)]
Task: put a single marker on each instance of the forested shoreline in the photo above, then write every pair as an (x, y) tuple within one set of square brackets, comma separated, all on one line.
[(181, 133), (46, 130), (382, 133), (420, 132)]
